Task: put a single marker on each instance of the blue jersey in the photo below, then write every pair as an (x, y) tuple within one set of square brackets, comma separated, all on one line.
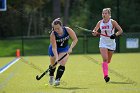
[(61, 41)]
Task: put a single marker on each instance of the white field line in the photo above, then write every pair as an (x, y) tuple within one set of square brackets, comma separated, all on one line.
[(4, 68)]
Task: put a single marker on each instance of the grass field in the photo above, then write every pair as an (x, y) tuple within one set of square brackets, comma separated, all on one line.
[(83, 75)]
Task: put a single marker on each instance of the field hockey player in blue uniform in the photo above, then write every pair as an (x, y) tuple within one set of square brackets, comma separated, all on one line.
[(59, 38)]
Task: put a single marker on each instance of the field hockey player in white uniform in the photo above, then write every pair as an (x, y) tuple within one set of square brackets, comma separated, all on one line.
[(107, 45)]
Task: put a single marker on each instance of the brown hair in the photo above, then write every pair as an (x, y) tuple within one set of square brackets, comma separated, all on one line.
[(56, 21)]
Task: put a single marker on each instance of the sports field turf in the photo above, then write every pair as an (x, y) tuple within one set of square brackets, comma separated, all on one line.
[(83, 75)]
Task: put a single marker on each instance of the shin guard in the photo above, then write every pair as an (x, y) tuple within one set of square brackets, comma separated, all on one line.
[(60, 72)]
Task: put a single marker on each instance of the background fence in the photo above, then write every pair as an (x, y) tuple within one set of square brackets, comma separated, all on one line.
[(38, 45)]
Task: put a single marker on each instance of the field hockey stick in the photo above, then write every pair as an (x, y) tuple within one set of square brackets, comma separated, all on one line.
[(39, 77), (87, 30)]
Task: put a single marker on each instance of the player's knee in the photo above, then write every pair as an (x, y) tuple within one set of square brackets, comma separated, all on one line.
[(62, 63)]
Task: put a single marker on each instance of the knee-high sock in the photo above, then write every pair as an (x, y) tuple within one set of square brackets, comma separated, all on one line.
[(52, 70), (105, 68), (60, 72)]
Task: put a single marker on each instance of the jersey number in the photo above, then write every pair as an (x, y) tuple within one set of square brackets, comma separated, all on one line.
[(62, 43)]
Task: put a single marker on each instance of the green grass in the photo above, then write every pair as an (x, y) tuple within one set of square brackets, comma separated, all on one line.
[(83, 75)]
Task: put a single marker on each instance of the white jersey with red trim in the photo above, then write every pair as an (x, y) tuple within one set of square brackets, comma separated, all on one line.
[(107, 29)]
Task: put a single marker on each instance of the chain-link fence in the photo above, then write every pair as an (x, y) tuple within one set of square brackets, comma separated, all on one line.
[(86, 44)]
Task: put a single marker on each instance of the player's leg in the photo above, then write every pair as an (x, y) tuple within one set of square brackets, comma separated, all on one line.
[(52, 70), (52, 61), (104, 53), (61, 68), (110, 53)]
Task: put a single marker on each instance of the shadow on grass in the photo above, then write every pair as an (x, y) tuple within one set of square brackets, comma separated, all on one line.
[(116, 82), (70, 88)]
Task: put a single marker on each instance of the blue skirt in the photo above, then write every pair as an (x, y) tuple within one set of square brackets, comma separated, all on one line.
[(59, 50)]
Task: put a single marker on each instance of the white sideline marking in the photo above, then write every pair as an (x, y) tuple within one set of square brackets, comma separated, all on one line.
[(8, 65)]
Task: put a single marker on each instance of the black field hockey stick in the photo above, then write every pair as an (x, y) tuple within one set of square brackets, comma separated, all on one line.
[(44, 73), (87, 30)]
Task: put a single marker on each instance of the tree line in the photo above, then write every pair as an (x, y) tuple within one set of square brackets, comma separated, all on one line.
[(34, 17)]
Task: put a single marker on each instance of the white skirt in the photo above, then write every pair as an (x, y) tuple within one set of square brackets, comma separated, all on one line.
[(107, 43)]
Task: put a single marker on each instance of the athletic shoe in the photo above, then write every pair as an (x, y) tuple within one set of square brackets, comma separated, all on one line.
[(51, 80), (107, 79), (57, 82)]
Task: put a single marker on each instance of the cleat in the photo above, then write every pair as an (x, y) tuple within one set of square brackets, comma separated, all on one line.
[(107, 79), (51, 80), (57, 82)]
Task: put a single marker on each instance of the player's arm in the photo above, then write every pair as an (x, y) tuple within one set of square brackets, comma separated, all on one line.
[(117, 26), (95, 30), (73, 37), (54, 46)]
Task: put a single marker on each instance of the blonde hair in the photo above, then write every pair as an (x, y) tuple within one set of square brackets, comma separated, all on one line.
[(107, 9)]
